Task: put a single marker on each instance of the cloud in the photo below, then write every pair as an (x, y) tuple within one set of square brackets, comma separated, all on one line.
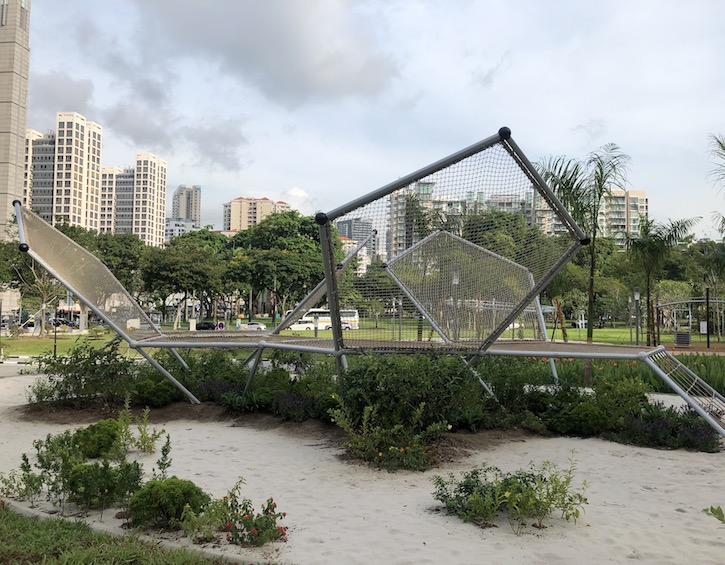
[(216, 144), (299, 199), (292, 52), (140, 126), (56, 91)]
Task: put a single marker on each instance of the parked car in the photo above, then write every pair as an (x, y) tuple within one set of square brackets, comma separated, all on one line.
[(257, 326), (344, 325), (304, 324), (205, 326)]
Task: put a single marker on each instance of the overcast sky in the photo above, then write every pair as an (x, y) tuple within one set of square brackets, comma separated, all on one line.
[(316, 102)]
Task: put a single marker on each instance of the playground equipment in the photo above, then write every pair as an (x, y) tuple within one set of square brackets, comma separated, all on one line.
[(460, 250)]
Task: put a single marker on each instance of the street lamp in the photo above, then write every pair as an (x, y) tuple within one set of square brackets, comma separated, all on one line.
[(629, 317), (636, 310)]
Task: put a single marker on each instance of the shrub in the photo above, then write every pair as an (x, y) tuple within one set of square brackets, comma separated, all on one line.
[(83, 375), (155, 392), (161, 502), (403, 445), (484, 493), (96, 440), (669, 428), (246, 526)]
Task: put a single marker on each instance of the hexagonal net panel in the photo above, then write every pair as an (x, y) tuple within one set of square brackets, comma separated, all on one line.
[(454, 255), (464, 290)]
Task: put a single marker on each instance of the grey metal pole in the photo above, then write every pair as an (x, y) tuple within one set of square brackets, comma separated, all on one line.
[(636, 313)]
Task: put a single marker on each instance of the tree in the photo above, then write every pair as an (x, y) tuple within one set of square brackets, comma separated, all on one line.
[(582, 186), (717, 150), (650, 248), (281, 254)]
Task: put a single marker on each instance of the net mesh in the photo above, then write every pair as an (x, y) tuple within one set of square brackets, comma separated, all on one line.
[(455, 257), (86, 276)]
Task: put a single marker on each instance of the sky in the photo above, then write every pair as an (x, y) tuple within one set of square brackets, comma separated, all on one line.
[(317, 102)]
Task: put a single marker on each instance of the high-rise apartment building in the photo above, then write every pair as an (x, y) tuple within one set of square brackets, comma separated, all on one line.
[(620, 214), (66, 189), (14, 65), (186, 204), (243, 213), (134, 199)]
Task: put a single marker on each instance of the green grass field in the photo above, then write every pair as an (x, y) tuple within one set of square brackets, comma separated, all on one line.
[(28, 345)]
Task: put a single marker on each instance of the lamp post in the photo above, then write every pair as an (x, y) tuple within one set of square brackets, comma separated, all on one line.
[(55, 332), (629, 317), (636, 313)]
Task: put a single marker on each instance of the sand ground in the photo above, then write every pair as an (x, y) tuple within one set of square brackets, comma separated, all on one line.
[(644, 505)]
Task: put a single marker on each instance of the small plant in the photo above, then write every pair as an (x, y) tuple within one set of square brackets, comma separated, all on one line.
[(31, 483), (10, 484), (164, 462), (147, 438), (97, 440), (401, 446), (716, 512), (124, 436), (484, 493), (245, 526)]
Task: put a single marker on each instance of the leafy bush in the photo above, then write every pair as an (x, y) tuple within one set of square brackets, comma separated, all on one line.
[(670, 428), (94, 485), (481, 494), (83, 375), (161, 502), (237, 517), (403, 445), (155, 392), (96, 440)]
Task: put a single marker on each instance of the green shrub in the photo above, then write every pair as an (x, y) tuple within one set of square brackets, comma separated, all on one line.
[(161, 502), (96, 440), (619, 398), (480, 495), (84, 375), (669, 428), (155, 392)]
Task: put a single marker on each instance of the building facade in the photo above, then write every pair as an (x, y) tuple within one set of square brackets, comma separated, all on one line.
[(14, 66), (186, 204), (134, 199), (621, 213), (178, 226), (243, 213), (66, 188)]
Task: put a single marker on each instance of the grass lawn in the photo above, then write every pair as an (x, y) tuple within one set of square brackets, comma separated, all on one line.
[(33, 346), (55, 541)]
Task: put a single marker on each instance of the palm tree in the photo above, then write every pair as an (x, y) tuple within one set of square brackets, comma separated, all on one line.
[(650, 248), (581, 186), (717, 145)]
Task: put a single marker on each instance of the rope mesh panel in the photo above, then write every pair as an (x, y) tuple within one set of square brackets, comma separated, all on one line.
[(455, 257), (85, 274)]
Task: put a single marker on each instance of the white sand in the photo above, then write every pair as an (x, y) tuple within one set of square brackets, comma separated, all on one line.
[(644, 504)]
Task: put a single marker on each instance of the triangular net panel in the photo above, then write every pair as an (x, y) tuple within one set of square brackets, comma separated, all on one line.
[(451, 257)]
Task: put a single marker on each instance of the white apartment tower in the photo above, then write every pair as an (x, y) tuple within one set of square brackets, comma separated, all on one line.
[(243, 213), (14, 65), (186, 204), (66, 189), (134, 199)]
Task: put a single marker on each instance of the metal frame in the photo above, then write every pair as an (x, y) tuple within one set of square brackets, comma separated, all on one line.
[(490, 346)]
